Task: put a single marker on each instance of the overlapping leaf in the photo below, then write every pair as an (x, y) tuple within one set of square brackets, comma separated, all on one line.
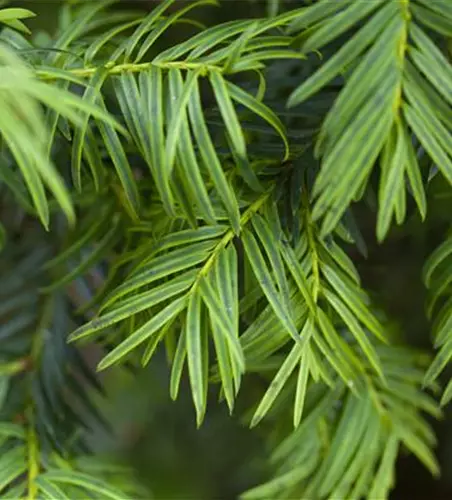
[(26, 472), (398, 85), (438, 279), (53, 361), (166, 95), (302, 282), (23, 130), (12, 17), (181, 278), (305, 464), (52, 396), (186, 218)]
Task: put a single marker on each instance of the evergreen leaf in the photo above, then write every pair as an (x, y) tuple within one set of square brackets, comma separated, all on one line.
[(143, 333), (84, 481)]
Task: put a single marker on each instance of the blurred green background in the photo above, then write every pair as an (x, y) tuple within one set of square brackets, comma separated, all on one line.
[(159, 437)]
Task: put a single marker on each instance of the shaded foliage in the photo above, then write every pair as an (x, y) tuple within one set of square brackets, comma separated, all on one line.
[(196, 197)]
